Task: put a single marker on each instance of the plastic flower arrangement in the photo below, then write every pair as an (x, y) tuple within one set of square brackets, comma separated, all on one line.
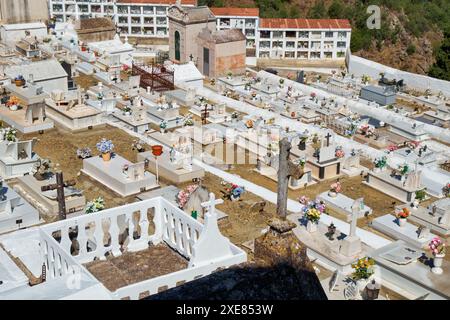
[(303, 200), (302, 162), (233, 190), (249, 124), (437, 246), (446, 190), (313, 215), (336, 187), (364, 268), (340, 152), (183, 196), (380, 162), (163, 125), (403, 169), (312, 209), (413, 144), (95, 205), (392, 148), (84, 153), (11, 134), (13, 101), (404, 213), (105, 146)]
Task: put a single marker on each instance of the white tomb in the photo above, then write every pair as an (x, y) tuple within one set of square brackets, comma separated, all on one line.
[(343, 205), (70, 111), (388, 224), (113, 174), (16, 158), (15, 212), (436, 216)]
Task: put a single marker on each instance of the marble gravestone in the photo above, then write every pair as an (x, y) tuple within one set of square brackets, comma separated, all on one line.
[(326, 165), (113, 174)]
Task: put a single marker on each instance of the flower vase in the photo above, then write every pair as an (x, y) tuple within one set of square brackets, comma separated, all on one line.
[(402, 222), (437, 263), (361, 284), (311, 226), (106, 156), (332, 194)]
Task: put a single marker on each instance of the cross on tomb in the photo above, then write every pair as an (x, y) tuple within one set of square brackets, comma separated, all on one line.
[(205, 114), (59, 187), (328, 136), (211, 204)]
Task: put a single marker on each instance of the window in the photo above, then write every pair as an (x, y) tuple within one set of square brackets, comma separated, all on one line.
[(329, 34)]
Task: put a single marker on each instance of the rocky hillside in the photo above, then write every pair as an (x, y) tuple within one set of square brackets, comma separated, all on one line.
[(411, 38)]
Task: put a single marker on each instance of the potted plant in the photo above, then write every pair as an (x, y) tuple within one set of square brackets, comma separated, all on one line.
[(105, 147), (127, 111), (402, 216), (380, 164), (11, 135), (437, 247), (96, 205), (163, 126), (302, 143), (421, 195), (229, 75), (19, 81), (335, 188), (363, 271)]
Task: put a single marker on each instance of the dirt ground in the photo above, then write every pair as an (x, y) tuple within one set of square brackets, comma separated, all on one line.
[(60, 146), (135, 267)]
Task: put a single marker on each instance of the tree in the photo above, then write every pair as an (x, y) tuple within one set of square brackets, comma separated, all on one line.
[(318, 11), (441, 68), (336, 9)]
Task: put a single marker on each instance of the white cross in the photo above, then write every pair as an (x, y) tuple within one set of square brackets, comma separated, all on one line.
[(211, 204)]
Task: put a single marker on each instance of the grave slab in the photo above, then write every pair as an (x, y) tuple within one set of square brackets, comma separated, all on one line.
[(388, 225), (111, 174), (343, 205)]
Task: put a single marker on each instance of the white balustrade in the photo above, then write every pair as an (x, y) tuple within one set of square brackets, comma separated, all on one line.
[(68, 244)]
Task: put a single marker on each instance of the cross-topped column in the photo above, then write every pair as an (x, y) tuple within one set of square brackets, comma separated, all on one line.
[(356, 209)]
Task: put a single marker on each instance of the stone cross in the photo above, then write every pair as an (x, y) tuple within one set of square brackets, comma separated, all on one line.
[(286, 170), (211, 204), (356, 209), (59, 187)]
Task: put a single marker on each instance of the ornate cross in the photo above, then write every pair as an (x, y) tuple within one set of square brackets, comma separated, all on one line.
[(59, 187)]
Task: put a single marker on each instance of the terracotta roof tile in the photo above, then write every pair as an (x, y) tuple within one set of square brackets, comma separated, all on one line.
[(242, 12), (305, 24), (167, 2)]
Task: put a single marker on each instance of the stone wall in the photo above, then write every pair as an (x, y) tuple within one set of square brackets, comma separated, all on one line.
[(359, 66), (23, 11)]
